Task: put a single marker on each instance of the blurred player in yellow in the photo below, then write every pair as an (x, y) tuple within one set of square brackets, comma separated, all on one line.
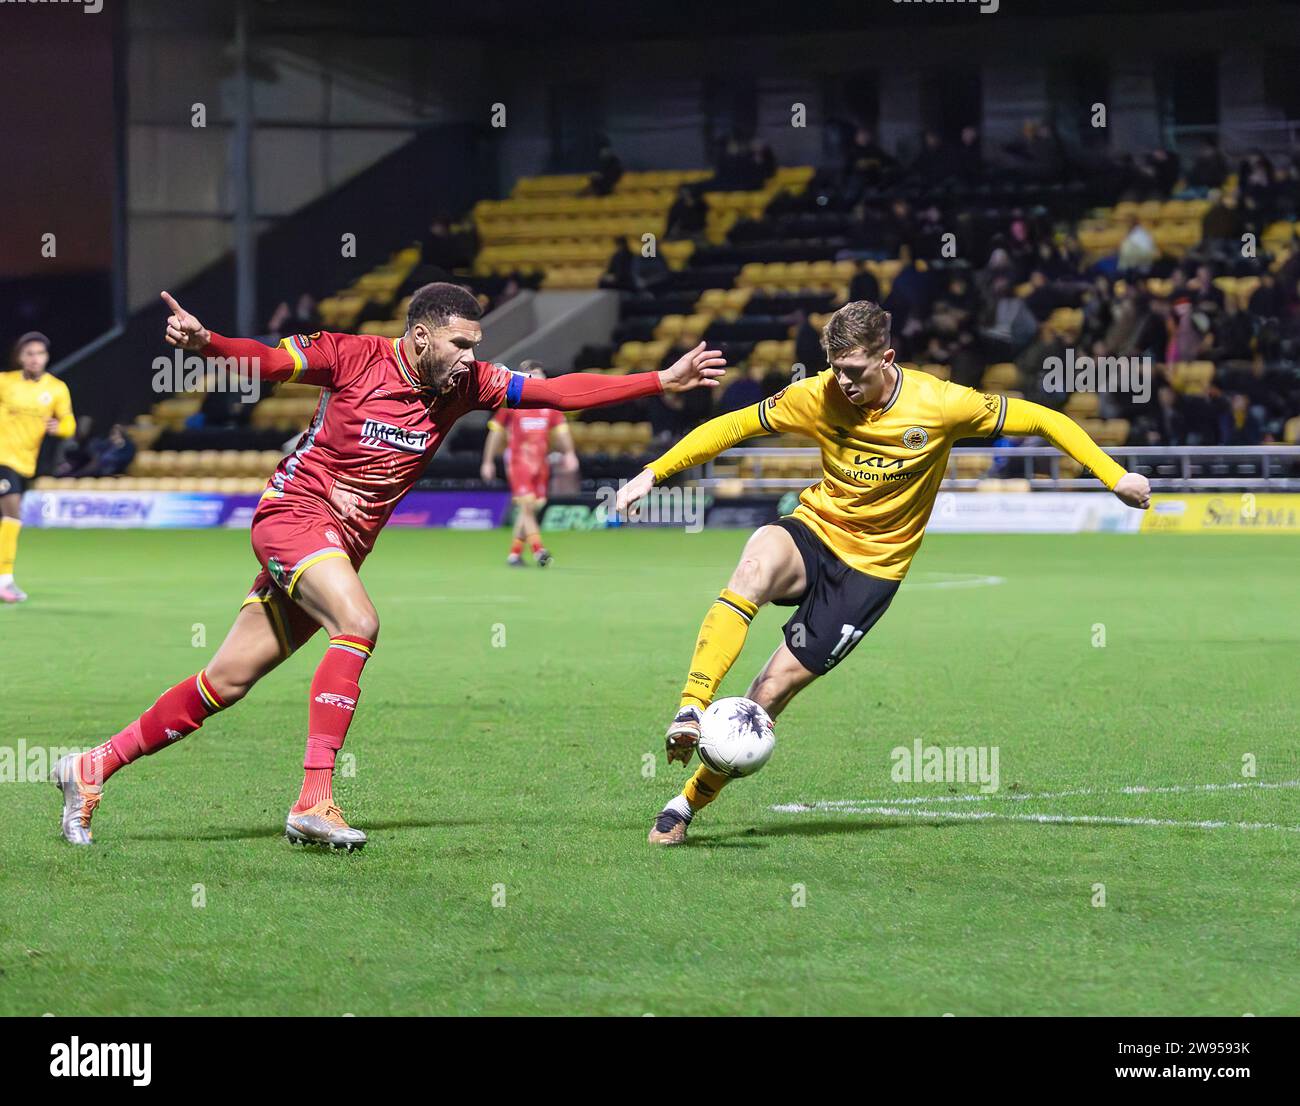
[(884, 433), (33, 403)]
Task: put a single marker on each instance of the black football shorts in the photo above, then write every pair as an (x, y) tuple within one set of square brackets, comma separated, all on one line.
[(11, 483), (839, 605)]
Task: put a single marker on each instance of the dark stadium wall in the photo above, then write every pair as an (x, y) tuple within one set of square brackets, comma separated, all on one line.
[(654, 103), (59, 167), (301, 252), (327, 104)]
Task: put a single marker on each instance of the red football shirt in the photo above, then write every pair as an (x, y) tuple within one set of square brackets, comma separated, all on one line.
[(374, 430), (529, 434)]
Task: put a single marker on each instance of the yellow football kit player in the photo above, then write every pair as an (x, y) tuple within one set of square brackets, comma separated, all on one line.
[(885, 433), (882, 468), (33, 403)]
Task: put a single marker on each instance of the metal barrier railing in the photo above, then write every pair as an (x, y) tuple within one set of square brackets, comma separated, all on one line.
[(1169, 468)]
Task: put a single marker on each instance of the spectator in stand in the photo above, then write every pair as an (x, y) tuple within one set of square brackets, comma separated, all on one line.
[(1202, 287), (1044, 297), (1008, 325), (305, 318), (866, 164), (1255, 182), (1038, 153), (1238, 425), (1161, 169), (1138, 251), (445, 249), (630, 271), (609, 170), (864, 286), (1188, 331), (673, 414), (1234, 335), (1267, 301), (1222, 223), (762, 162), (1000, 267), (808, 350), (968, 161), (744, 391), (108, 456), (1209, 167), (1164, 424), (688, 215), (220, 410), (509, 290), (76, 453), (935, 163), (278, 325)]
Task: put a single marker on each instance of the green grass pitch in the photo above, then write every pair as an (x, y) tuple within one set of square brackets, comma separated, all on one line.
[(500, 768)]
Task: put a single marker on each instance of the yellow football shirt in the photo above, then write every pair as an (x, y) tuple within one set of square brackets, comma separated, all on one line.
[(882, 467), (25, 405)]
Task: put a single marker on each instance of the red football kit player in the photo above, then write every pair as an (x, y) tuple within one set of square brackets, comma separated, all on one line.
[(527, 435), (385, 406)]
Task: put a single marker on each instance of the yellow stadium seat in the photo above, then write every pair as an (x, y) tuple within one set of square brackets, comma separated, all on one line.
[(1082, 405), (999, 377)]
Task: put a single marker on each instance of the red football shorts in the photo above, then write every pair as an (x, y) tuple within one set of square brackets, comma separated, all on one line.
[(288, 538), (529, 480)]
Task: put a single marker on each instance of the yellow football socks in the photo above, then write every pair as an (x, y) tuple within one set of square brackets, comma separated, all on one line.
[(722, 636), (9, 528), (703, 787)]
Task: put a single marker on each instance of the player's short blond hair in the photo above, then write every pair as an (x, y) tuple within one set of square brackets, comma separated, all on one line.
[(860, 325)]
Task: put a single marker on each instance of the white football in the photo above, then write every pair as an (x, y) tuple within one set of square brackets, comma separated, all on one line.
[(736, 737)]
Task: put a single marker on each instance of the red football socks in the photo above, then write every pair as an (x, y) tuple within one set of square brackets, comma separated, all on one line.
[(179, 711), (334, 694)]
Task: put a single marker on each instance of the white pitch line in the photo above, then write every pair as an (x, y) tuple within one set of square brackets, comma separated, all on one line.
[(957, 580), (1057, 819), (1136, 789)]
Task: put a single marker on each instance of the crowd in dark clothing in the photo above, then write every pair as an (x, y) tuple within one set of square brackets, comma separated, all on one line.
[(84, 454), (989, 301)]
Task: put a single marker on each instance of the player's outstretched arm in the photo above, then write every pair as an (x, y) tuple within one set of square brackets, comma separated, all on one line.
[(186, 332), (699, 368), (702, 444), (1069, 437)]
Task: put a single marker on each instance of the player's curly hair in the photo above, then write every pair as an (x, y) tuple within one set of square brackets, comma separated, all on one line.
[(860, 325), (436, 304)]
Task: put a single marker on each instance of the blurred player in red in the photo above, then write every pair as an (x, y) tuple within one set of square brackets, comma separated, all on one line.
[(385, 406), (527, 437)]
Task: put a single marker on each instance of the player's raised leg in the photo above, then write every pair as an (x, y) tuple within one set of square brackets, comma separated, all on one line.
[(771, 568), (253, 647), (331, 592)]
